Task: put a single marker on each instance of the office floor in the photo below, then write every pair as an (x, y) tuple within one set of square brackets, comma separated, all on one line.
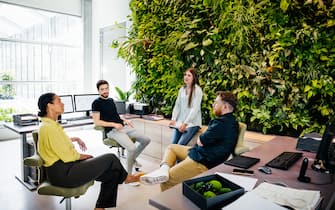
[(14, 196)]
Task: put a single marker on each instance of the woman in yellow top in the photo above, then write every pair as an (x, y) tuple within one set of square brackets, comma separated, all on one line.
[(66, 167)]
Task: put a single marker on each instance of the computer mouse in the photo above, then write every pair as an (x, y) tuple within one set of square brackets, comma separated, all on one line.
[(265, 169)]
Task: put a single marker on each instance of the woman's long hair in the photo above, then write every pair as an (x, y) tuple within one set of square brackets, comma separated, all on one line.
[(195, 81)]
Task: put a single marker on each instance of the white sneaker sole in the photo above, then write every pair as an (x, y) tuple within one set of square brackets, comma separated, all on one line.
[(153, 180)]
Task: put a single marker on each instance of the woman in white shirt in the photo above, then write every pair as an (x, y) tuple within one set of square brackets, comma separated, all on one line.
[(186, 114)]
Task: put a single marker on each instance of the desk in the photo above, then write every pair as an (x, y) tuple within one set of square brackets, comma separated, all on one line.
[(173, 198), (23, 131)]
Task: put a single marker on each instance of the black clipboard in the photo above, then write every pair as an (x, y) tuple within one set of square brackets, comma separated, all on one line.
[(241, 161)]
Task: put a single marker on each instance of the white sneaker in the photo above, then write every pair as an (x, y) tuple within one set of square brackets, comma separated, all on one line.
[(137, 164), (156, 177)]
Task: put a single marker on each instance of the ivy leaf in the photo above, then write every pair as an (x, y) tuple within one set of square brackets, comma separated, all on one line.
[(309, 94), (324, 58), (185, 35), (284, 5), (190, 46), (307, 88), (324, 111), (207, 42)]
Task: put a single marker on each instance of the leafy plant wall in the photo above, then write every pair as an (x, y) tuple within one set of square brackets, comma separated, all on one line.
[(278, 57)]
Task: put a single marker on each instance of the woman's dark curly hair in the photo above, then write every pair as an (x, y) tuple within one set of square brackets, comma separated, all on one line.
[(43, 103)]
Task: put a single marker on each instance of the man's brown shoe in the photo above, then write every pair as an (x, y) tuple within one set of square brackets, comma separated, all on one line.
[(134, 178)]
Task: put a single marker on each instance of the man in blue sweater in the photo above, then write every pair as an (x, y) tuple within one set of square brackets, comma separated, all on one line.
[(213, 147)]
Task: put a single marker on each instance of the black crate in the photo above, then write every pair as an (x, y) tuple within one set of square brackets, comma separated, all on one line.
[(216, 202)]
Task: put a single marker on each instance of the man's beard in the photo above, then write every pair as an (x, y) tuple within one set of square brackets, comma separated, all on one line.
[(104, 95), (217, 113)]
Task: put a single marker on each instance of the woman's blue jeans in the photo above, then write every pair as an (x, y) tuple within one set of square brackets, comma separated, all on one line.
[(184, 138)]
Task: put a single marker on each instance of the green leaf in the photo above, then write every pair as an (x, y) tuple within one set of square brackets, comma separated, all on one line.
[(190, 45), (207, 42), (121, 94)]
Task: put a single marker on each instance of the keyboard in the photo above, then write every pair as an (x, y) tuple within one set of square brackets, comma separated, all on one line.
[(285, 160), (130, 116), (79, 118), (152, 117)]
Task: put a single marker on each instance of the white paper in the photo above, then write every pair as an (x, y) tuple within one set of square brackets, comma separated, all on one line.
[(248, 183), (295, 198), (251, 200)]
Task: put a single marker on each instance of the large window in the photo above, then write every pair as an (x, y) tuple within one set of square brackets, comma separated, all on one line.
[(39, 52)]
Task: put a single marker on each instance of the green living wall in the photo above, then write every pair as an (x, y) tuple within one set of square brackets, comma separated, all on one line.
[(278, 57)]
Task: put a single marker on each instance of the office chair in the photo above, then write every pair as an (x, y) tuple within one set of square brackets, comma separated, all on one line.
[(240, 147), (110, 142), (113, 143), (44, 187)]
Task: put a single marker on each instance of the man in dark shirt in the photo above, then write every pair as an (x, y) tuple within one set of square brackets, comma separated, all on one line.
[(212, 148), (122, 130)]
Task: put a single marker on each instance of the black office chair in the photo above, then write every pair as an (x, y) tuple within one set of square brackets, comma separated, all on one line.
[(44, 187)]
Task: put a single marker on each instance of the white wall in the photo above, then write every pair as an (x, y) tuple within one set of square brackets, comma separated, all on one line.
[(106, 13), (72, 7)]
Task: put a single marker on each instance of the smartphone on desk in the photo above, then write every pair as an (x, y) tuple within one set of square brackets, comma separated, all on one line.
[(240, 171)]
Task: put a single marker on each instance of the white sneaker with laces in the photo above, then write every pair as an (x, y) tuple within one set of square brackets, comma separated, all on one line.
[(156, 177)]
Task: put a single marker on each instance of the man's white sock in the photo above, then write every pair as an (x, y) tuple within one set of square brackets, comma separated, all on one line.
[(156, 177), (165, 167)]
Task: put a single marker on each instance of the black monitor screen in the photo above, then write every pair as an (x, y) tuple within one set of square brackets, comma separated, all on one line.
[(68, 103), (322, 161), (83, 102), (120, 107), (326, 141)]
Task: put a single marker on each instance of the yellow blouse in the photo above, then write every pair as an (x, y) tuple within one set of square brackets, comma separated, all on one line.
[(54, 144)]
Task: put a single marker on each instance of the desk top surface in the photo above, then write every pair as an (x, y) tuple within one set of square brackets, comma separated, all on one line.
[(30, 128), (173, 198)]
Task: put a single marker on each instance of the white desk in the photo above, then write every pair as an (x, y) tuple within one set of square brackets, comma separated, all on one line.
[(173, 198)]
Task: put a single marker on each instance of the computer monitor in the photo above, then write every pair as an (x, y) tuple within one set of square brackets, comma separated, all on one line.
[(83, 102), (120, 107), (322, 162), (68, 103)]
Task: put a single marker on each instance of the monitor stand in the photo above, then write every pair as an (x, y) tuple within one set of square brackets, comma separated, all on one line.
[(323, 167)]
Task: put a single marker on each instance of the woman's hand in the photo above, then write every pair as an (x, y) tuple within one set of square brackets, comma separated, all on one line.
[(182, 128), (80, 142), (172, 123)]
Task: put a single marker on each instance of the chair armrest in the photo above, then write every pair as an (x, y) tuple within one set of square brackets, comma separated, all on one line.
[(33, 161), (241, 149)]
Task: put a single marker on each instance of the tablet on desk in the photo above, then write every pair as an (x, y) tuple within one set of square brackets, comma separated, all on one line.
[(242, 161)]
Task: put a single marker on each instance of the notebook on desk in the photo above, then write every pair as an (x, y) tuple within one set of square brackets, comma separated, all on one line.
[(242, 161)]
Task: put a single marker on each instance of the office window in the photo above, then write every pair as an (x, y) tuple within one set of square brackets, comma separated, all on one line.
[(39, 51)]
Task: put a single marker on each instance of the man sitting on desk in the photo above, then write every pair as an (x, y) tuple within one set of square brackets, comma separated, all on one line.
[(212, 148), (105, 115)]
